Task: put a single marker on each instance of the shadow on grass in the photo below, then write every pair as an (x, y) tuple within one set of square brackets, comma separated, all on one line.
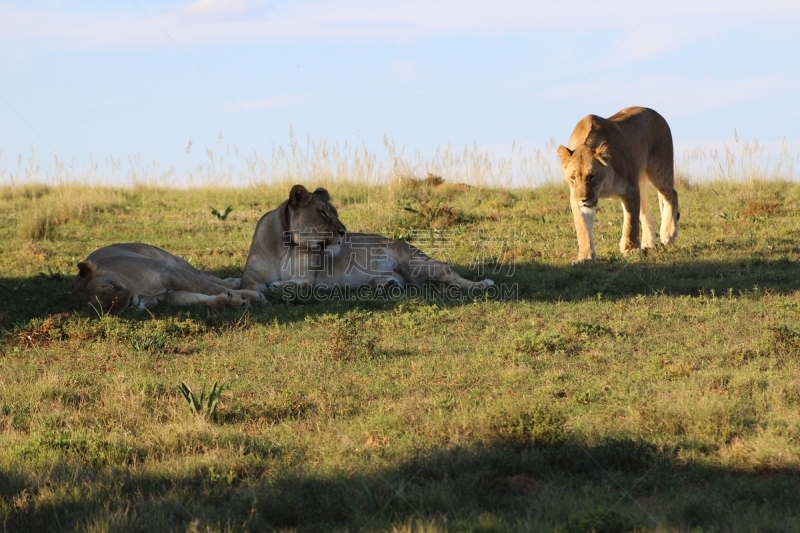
[(44, 295), (34, 297), (611, 486), (623, 279)]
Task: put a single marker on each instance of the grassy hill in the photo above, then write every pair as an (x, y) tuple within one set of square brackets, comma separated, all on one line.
[(658, 392)]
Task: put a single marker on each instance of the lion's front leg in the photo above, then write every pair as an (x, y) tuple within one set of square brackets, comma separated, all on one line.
[(646, 219), (232, 283), (584, 228), (630, 223), (293, 289), (252, 296), (431, 270), (217, 301), (294, 282)]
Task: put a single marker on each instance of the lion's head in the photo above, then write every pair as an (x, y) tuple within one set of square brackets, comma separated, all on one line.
[(95, 288), (310, 220), (586, 169)]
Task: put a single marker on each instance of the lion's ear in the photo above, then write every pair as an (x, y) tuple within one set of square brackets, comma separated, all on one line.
[(603, 153), (564, 154), (85, 270), (299, 196), (324, 193)]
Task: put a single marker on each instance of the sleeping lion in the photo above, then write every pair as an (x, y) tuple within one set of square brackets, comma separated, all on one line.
[(143, 276), (303, 244)]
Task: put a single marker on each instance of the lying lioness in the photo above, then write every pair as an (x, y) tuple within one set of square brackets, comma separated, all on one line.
[(141, 275), (302, 244), (614, 158)]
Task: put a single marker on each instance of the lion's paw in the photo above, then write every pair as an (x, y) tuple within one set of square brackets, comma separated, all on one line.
[(484, 284), (252, 296), (236, 301)]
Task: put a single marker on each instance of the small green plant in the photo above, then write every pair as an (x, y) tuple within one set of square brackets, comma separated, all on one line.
[(534, 343), (784, 340), (223, 215), (433, 213), (536, 426), (204, 405), (148, 340), (348, 337)]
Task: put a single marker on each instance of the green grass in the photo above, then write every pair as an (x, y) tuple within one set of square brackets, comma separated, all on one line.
[(658, 392)]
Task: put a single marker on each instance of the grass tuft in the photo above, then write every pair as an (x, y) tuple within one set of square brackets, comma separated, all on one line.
[(536, 426), (348, 337)]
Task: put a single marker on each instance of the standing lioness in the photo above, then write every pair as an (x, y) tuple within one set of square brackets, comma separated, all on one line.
[(614, 158)]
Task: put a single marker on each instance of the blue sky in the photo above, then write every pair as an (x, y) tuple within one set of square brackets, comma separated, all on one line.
[(93, 80)]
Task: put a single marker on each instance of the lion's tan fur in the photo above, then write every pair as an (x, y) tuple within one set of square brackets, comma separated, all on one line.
[(303, 243), (614, 158), (142, 275)]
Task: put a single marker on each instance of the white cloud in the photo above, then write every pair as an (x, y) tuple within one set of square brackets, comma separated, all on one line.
[(234, 21), (675, 96), (227, 9)]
